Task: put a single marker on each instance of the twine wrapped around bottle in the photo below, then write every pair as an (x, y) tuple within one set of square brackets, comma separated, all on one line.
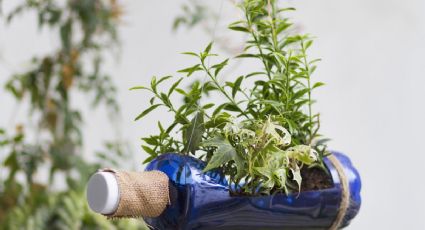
[(345, 193), (142, 194)]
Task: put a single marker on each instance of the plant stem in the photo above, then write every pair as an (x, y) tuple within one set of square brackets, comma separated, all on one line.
[(221, 89), (287, 85), (271, 12), (170, 106), (260, 50), (258, 45), (307, 69)]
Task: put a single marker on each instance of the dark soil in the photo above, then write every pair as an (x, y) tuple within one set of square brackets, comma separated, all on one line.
[(315, 179)]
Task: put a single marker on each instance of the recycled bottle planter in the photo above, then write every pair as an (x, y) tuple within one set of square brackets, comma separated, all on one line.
[(202, 200)]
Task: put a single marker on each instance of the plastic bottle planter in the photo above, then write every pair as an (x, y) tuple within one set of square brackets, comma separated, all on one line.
[(175, 194), (202, 201)]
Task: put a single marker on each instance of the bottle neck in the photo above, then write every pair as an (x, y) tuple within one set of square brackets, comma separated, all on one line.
[(116, 193)]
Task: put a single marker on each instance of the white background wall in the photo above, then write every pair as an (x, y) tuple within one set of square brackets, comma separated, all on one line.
[(372, 107)]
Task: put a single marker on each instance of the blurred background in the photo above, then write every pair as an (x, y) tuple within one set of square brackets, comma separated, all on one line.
[(372, 106)]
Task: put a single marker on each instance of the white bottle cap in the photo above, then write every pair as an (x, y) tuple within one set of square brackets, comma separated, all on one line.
[(103, 193)]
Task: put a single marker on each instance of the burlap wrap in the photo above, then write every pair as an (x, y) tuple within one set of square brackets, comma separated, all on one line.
[(142, 194)]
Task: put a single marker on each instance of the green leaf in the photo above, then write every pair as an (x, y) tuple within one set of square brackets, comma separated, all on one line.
[(152, 100), (314, 61), (286, 9), (191, 54), (194, 132), (318, 84), (219, 66), (300, 94), (268, 174), (231, 107), (237, 86), (181, 91), (171, 127), (147, 111), (236, 23), (151, 140), (218, 109), (163, 79), (303, 153), (282, 27), (148, 150), (149, 159), (296, 174), (4, 142), (312, 69), (140, 87), (173, 87), (270, 129), (218, 121), (255, 73), (223, 154), (66, 34), (239, 28), (247, 56), (208, 48), (281, 175), (308, 44), (189, 71), (153, 84), (322, 141), (208, 106)]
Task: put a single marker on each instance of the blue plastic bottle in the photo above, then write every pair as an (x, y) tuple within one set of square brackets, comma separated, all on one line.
[(202, 201)]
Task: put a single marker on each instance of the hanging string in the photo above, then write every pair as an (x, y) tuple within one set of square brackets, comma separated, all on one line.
[(345, 193)]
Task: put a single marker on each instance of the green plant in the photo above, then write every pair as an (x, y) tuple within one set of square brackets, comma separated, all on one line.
[(85, 29), (265, 132)]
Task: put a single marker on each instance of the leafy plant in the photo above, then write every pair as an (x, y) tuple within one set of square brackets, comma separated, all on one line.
[(85, 29), (62, 210), (265, 131)]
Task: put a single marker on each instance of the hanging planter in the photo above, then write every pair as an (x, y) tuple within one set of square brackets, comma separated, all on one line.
[(174, 193), (202, 200), (254, 160)]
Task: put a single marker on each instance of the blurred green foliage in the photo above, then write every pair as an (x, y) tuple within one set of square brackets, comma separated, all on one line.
[(192, 13), (85, 29)]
